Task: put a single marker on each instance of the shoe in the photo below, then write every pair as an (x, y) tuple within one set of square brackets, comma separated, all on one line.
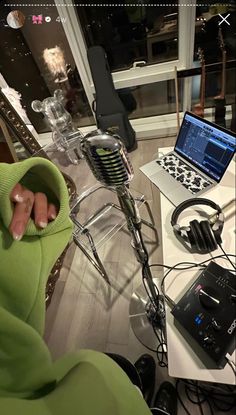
[(166, 399), (146, 368)]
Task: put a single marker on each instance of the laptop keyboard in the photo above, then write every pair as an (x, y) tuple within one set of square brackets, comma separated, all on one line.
[(183, 173)]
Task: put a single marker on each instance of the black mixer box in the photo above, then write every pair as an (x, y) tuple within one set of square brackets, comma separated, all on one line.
[(207, 312)]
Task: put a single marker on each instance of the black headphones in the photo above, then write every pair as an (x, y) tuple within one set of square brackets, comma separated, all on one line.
[(202, 236)]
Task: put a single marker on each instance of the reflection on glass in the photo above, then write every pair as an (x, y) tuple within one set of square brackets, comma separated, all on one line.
[(55, 61), (213, 89), (36, 60), (152, 99), (208, 38), (217, 40), (132, 32)]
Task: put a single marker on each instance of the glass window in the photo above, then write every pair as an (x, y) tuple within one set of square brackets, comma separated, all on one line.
[(213, 94), (132, 32), (210, 22), (151, 99), (215, 42), (36, 60)]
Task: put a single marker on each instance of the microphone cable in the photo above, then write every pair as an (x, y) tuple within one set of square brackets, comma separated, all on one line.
[(220, 397), (181, 266), (222, 249), (161, 350)]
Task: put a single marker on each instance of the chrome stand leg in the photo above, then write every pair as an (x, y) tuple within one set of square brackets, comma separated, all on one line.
[(97, 263), (129, 209), (142, 316)]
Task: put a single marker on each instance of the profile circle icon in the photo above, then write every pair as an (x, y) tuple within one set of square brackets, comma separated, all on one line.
[(15, 19)]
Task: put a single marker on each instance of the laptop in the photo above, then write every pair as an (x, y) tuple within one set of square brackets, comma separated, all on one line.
[(202, 152)]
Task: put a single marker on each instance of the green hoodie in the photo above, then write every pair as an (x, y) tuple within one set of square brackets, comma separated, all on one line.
[(84, 383)]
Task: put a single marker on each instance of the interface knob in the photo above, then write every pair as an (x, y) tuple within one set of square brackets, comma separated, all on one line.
[(209, 297), (216, 326), (208, 340)]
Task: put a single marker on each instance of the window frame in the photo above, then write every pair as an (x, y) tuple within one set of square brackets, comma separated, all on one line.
[(136, 75), (147, 126)]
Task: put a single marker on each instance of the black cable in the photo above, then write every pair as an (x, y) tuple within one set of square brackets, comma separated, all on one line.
[(222, 249), (211, 397), (199, 402), (169, 271), (179, 398), (213, 392), (159, 353), (148, 294), (205, 399), (193, 264), (195, 402), (189, 265), (162, 344), (163, 361)]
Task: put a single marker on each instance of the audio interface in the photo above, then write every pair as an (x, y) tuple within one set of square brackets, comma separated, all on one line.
[(207, 312)]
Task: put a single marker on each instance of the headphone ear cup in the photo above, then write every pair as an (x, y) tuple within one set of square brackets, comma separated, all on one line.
[(196, 237), (209, 236)]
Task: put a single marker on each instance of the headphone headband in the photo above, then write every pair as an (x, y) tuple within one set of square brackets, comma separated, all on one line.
[(192, 202)]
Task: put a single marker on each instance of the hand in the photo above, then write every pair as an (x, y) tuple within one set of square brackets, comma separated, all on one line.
[(28, 204)]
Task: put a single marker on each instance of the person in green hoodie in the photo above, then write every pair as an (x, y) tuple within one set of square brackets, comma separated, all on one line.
[(34, 229)]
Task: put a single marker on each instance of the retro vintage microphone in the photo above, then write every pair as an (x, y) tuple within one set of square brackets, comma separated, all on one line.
[(108, 159)]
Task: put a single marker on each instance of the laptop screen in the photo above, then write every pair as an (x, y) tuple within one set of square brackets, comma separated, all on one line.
[(209, 147)]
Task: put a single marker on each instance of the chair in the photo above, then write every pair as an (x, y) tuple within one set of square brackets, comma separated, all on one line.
[(102, 224)]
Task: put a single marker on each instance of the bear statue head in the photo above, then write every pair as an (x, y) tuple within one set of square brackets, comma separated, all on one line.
[(53, 109)]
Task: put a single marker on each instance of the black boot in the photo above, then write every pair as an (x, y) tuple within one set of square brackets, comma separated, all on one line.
[(166, 400), (146, 369)]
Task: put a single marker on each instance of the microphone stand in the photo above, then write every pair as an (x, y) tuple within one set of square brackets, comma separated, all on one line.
[(108, 161), (147, 310)]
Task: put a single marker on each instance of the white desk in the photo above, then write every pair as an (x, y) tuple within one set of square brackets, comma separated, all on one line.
[(182, 361)]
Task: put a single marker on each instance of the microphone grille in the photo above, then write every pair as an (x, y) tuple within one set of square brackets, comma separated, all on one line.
[(107, 158)]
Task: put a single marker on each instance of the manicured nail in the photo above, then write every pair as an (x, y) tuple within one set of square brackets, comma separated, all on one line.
[(16, 237), (53, 216), (18, 230), (42, 224), (18, 198)]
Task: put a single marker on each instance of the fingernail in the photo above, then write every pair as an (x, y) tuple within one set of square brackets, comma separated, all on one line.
[(53, 216), (42, 224), (17, 231), (18, 198), (16, 237)]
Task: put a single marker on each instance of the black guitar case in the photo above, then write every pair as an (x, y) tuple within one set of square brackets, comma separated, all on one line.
[(110, 112), (220, 112)]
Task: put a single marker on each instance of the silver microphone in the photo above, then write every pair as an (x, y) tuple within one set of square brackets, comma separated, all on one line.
[(107, 157)]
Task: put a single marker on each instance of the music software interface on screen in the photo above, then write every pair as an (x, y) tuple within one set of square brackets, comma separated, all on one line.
[(209, 148)]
